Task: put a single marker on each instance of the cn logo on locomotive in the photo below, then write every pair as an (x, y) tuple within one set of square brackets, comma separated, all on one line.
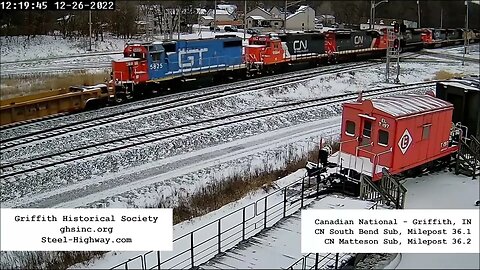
[(358, 40), (300, 45), (405, 141)]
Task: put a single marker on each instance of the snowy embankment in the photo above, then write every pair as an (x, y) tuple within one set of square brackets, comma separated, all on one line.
[(21, 48)]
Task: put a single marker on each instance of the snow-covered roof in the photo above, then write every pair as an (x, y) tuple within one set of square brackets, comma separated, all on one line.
[(408, 104), (261, 18), (460, 85), (207, 17), (201, 11), (221, 12), (300, 10), (229, 8)]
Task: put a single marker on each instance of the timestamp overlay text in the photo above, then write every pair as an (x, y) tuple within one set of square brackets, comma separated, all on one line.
[(390, 231), (82, 229)]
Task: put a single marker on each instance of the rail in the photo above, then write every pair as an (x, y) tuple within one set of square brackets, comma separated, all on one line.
[(202, 244)]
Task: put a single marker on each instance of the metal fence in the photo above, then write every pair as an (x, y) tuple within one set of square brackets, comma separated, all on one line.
[(327, 260), (202, 244)]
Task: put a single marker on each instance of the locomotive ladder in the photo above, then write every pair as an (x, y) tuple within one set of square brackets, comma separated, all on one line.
[(388, 191), (468, 157)]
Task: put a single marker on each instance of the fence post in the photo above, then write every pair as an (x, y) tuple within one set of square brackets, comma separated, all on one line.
[(265, 214), (284, 201), (191, 250), (303, 189), (219, 236), (336, 261), (158, 260), (126, 265), (243, 225), (316, 261)]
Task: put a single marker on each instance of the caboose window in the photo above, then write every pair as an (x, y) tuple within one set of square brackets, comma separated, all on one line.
[(367, 128), (350, 128), (426, 131), (383, 137), (232, 43)]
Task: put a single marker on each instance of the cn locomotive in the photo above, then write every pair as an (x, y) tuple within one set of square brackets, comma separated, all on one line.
[(153, 67)]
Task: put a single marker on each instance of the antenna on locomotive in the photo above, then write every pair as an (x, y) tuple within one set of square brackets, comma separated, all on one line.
[(360, 96)]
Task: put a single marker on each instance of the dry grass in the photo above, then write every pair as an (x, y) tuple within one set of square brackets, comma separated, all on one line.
[(445, 75), (25, 85), (215, 195)]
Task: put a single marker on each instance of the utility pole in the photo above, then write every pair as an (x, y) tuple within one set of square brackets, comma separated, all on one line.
[(245, 20), (90, 30), (285, 18), (418, 10), (441, 18), (178, 22), (215, 17), (465, 39), (372, 11)]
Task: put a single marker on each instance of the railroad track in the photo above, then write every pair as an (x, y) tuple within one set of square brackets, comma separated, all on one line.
[(73, 155), (450, 56), (176, 100)]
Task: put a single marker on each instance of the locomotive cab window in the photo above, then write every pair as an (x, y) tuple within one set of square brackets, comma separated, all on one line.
[(169, 47), (350, 128), (232, 43), (426, 131), (383, 137), (155, 57)]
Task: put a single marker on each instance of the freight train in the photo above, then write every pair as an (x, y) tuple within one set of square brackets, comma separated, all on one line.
[(152, 67)]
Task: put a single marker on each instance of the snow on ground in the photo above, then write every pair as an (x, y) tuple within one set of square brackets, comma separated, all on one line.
[(112, 258), (473, 51), (440, 191), (21, 48), (279, 247)]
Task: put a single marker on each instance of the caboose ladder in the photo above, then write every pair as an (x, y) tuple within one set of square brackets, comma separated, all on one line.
[(468, 157), (389, 191)]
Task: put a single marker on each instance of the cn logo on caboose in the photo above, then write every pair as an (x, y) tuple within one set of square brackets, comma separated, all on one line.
[(405, 141)]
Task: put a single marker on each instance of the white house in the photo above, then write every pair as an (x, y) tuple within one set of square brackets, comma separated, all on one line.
[(260, 17), (221, 15), (302, 19)]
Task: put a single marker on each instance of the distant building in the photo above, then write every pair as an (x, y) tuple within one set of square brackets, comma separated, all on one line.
[(221, 15), (260, 17), (302, 19), (326, 20)]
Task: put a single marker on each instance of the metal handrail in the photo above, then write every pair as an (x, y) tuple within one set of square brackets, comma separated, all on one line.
[(246, 226)]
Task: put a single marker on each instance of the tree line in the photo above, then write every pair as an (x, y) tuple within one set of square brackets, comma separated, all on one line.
[(122, 21)]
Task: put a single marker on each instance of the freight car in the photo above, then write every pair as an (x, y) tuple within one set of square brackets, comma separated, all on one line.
[(54, 102), (464, 94)]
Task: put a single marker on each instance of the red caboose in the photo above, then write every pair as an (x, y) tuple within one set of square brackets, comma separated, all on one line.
[(397, 133)]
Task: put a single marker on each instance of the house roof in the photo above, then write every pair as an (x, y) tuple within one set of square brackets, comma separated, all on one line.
[(258, 18), (300, 10), (207, 17), (408, 104)]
